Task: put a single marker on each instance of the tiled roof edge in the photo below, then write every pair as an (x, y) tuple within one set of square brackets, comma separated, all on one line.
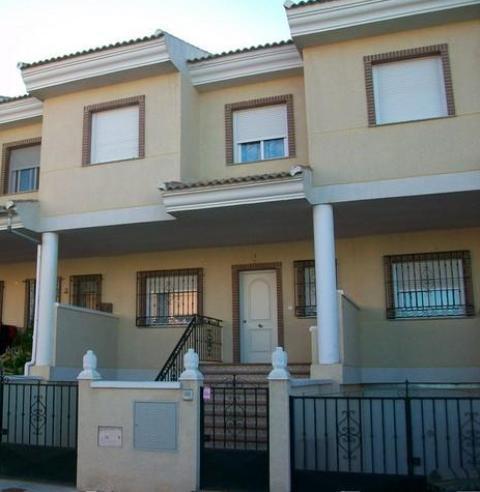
[(7, 99), (304, 3), (275, 44), (177, 185), (157, 35)]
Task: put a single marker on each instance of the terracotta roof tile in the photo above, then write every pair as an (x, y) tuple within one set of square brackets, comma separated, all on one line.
[(241, 50), (178, 185), (6, 99), (92, 50)]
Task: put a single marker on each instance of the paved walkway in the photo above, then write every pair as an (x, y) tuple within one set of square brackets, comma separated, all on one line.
[(21, 486)]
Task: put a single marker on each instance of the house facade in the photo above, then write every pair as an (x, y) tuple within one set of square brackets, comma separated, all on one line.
[(320, 194)]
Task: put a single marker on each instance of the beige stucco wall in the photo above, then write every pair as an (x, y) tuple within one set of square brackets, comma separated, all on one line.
[(69, 187), (382, 343), (211, 127), (128, 469), (14, 134), (343, 149)]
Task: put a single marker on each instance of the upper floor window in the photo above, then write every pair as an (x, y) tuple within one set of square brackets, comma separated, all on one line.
[(21, 166), (429, 285), (114, 131), (409, 85), (260, 129), (168, 297)]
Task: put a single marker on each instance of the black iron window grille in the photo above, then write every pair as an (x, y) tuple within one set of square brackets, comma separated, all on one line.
[(305, 291), (169, 297), (30, 293), (86, 291), (429, 285)]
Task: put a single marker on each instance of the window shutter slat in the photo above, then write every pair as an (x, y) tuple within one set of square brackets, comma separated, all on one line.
[(260, 123), (409, 90), (115, 134)]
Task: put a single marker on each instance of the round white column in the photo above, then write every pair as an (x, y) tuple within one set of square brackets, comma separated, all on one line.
[(326, 285), (47, 287)]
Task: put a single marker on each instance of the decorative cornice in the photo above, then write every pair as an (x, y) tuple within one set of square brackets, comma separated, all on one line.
[(231, 68), (317, 21), (235, 194), (130, 57), (20, 110)]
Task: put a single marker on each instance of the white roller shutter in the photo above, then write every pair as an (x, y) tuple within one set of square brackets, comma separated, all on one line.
[(251, 125), (114, 135), (409, 90)]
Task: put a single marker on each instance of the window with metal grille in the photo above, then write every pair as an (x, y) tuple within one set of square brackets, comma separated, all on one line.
[(169, 297), (305, 291), (86, 291), (30, 293), (429, 285)]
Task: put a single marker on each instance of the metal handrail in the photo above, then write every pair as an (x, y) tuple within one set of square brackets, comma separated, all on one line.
[(204, 336)]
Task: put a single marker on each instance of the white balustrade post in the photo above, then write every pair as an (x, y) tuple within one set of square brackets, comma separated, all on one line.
[(328, 343), (47, 286), (89, 367)]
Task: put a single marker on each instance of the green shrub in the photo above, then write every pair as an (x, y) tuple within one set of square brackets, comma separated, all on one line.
[(13, 360)]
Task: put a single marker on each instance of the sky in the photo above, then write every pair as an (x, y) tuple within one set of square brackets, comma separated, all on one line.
[(32, 30)]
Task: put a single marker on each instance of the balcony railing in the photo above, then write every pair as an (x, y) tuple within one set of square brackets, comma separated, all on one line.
[(204, 335)]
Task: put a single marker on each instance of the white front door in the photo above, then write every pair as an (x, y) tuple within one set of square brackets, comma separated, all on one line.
[(258, 315)]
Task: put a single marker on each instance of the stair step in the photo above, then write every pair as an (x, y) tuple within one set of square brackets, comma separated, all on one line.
[(251, 372)]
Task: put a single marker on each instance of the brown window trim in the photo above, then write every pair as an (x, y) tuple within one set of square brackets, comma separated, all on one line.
[(301, 306), (393, 56), (74, 279), (141, 316), (448, 255), (118, 103), (236, 269), (5, 170), (286, 99)]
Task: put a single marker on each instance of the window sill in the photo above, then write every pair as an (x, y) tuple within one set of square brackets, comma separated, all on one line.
[(94, 164), (9, 195), (162, 326), (433, 318), (381, 125), (234, 164)]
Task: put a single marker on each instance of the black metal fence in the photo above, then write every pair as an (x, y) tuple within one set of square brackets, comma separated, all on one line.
[(403, 436), (235, 436), (38, 423)]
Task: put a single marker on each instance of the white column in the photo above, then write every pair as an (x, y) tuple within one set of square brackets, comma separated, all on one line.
[(47, 286), (326, 285)]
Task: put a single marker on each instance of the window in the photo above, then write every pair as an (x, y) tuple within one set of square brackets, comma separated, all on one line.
[(21, 166), (114, 131), (86, 291), (260, 129), (305, 290), (409, 85), (429, 285), (168, 297), (30, 293)]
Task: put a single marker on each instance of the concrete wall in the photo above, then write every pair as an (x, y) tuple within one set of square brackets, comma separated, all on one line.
[(344, 149), (382, 343), (126, 468), (77, 330)]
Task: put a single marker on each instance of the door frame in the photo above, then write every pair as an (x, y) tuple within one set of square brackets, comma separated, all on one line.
[(236, 269)]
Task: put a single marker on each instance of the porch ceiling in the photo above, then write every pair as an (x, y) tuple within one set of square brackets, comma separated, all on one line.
[(259, 223)]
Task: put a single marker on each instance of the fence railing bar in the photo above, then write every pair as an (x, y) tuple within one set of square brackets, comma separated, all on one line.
[(435, 437)]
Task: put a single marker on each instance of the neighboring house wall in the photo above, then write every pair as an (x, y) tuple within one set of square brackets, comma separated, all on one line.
[(344, 149), (442, 343), (68, 187), (14, 134), (211, 124)]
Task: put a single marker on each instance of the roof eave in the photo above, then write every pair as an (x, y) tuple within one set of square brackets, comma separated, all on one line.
[(20, 111), (98, 68), (253, 65), (340, 20)]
